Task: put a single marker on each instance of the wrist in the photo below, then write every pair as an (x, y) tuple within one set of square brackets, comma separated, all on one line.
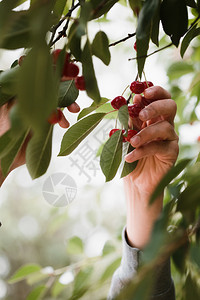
[(140, 215)]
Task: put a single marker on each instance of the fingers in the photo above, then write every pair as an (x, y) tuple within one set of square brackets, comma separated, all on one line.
[(162, 130), (166, 108), (74, 107), (166, 151), (63, 122), (156, 93)]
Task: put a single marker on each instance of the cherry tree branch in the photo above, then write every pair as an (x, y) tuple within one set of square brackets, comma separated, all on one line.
[(130, 35), (156, 51), (63, 31)]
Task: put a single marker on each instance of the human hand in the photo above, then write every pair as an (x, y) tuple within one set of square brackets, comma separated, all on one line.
[(156, 144)]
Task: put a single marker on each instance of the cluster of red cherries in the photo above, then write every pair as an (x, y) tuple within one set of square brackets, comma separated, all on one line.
[(70, 71), (136, 87)]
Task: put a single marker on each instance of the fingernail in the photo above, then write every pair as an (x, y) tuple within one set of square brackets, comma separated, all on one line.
[(144, 114), (135, 140), (128, 157)]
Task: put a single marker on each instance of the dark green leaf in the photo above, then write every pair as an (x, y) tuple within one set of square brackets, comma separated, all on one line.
[(9, 80), (110, 269), (76, 133), (6, 143), (195, 254), (123, 116), (111, 155), (191, 34), (8, 159), (38, 153), (174, 18), (178, 69), (4, 98), (135, 5), (74, 40), (37, 293), (100, 7), (91, 108), (100, 47), (172, 173), (142, 48), (75, 246), (17, 126), (18, 33), (24, 272), (146, 15), (89, 74), (37, 88), (128, 167), (191, 3), (155, 26), (188, 200), (68, 93), (59, 8), (179, 257), (191, 290)]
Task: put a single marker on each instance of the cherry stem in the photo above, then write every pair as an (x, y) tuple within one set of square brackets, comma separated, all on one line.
[(145, 78), (125, 90)]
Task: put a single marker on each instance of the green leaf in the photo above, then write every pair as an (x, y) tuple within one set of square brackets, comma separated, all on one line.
[(123, 116), (38, 153), (108, 248), (171, 174), (6, 143), (37, 88), (37, 293), (179, 257), (190, 35), (74, 40), (100, 47), (135, 5), (23, 272), (59, 8), (75, 246), (174, 18), (110, 269), (111, 155), (195, 254), (91, 108), (18, 33), (68, 93), (89, 74), (76, 133), (8, 159), (146, 15), (142, 49), (129, 167), (178, 69), (4, 98), (191, 289), (101, 7), (188, 200), (81, 282), (155, 26), (9, 81)]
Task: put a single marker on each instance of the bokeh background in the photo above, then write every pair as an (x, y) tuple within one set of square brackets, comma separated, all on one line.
[(80, 244)]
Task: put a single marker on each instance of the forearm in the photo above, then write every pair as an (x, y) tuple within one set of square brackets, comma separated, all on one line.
[(140, 216)]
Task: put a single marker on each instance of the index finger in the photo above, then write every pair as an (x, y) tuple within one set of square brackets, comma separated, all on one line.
[(156, 93)]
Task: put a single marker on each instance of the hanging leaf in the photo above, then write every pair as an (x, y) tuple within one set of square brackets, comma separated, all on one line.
[(68, 93), (24, 272), (91, 108), (188, 200), (38, 152), (176, 25), (6, 143), (75, 246), (178, 69), (195, 254), (4, 98), (89, 74), (111, 155), (74, 40), (179, 257), (191, 288), (123, 116), (101, 7), (155, 26), (76, 133), (129, 167), (59, 8), (172, 173), (142, 49), (8, 159), (135, 5), (100, 47), (190, 35), (37, 293)]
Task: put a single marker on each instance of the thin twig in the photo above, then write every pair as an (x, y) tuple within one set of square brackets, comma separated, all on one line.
[(143, 56), (63, 31), (130, 35)]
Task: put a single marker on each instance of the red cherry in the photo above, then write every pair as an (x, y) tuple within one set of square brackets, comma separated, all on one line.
[(147, 84), (21, 59), (56, 116), (114, 130), (198, 139), (55, 55), (70, 70), (135, 46), (130, 134), (134, 110), (137, 87), (80, 83), (118, 102)]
